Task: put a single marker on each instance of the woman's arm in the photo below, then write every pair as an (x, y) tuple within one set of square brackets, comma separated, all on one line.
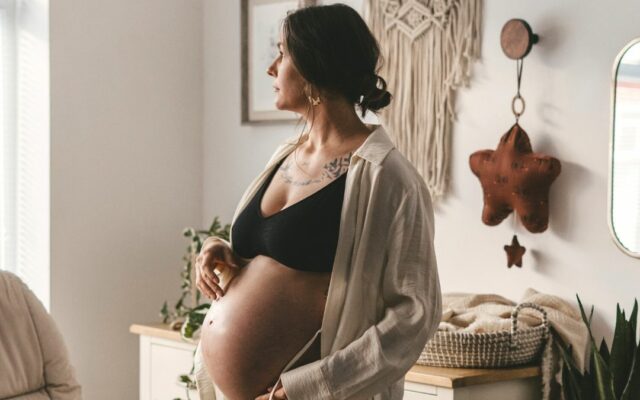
[(412, 311)]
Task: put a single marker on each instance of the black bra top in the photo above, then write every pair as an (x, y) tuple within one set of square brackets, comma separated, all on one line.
[(303, 236)]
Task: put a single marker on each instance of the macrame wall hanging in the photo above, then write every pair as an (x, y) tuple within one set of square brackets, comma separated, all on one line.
[(428, 47), (514, 179)]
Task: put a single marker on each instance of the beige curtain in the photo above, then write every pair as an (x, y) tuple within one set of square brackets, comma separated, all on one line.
[(428, 48)]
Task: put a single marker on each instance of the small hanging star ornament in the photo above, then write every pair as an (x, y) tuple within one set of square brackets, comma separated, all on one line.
[(514, 253)]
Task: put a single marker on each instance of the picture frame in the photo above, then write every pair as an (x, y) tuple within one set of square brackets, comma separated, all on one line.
[(260, 29)]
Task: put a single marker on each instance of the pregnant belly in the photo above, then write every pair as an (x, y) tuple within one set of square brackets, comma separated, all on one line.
[(268, 313)]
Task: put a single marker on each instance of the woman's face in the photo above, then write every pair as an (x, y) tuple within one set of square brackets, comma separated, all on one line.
[(288, 83)]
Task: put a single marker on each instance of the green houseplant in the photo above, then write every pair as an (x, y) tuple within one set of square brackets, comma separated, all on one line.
[(614, 374), (189, 311)]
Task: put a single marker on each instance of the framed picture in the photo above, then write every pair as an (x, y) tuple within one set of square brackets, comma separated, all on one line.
[(261, 23)]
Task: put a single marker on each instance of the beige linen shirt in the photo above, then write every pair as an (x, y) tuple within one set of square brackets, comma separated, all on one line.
[(34, 361), (384, 300)]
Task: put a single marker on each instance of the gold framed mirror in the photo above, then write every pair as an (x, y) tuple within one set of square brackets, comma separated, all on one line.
[(624, 151)]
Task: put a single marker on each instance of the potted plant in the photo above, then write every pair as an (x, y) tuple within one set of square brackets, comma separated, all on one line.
[(614, 374)]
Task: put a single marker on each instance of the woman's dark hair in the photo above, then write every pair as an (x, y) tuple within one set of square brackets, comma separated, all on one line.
[(334, 50)]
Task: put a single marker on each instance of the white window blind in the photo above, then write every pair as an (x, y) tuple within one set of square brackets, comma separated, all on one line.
[(24, 142), (7, 137)]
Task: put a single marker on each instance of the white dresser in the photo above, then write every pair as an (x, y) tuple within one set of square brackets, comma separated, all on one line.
[(164, 357)]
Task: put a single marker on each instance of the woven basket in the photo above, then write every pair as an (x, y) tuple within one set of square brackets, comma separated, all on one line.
[(490, 349)]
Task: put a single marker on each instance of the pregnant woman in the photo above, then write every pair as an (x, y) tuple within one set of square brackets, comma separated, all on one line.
[(329, 286)]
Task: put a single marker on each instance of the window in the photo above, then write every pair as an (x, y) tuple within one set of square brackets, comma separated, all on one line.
[(24, 142)]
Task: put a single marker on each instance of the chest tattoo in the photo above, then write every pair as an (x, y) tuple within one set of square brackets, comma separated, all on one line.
[(330, 171)]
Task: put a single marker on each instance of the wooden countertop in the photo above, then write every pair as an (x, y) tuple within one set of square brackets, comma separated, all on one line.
[(459, 377), (442, 377), (156, 330)]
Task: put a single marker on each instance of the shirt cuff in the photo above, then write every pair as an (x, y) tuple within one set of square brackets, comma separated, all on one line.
[(306, 382)]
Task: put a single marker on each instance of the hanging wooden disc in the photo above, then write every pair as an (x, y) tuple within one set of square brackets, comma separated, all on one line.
[(517, 38)]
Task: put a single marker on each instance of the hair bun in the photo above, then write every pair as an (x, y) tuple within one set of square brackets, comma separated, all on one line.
[(374, 98)]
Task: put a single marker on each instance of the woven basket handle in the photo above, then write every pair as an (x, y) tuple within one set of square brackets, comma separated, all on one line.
[(514, 320)]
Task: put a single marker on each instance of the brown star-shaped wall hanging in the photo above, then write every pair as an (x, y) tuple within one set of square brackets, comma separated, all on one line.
[(513, 177), (514, 253)]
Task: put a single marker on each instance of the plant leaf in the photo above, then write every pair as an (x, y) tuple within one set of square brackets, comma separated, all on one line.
[(600, 369), (569, 389), (586, 321), (632, 388), (164, 313), (194, 320), (588, 389), (214, 225), (633, 320), (603, 377), (571, 377), (622, 350), (604, 351)]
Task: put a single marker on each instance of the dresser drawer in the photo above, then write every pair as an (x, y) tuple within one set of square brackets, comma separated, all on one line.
[(418, 391), (409, 395), (161, 363), (167, 362)]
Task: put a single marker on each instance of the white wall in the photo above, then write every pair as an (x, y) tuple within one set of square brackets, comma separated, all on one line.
[(126, 174), (233, 153), (566, 85)]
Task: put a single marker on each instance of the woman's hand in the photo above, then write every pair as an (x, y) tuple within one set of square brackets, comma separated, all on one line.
[(214, 255), (279, 394)]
